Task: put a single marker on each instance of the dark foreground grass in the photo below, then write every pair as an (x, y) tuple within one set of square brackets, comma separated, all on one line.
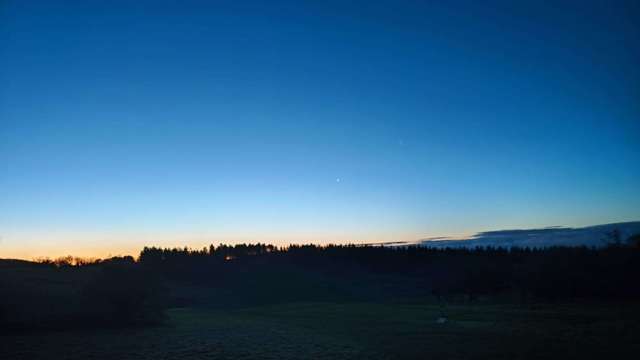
[(356, 331)]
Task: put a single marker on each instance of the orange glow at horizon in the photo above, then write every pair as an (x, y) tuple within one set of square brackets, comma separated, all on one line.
[(84, 245)]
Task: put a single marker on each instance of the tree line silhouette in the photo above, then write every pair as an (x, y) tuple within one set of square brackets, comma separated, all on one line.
[(124, 291), (518, 274)]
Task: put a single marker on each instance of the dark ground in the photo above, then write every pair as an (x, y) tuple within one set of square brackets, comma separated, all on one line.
[(334, 303), (355, 331)]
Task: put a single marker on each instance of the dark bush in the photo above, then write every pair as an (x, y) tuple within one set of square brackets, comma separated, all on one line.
[(123, 293)]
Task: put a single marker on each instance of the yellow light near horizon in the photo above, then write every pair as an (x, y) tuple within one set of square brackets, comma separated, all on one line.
[(53, 245)]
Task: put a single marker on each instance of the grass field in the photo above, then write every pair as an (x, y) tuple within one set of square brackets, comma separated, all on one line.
[(355, 331)]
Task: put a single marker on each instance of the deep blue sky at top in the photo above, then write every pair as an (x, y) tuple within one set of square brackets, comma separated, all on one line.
[(313, 121)]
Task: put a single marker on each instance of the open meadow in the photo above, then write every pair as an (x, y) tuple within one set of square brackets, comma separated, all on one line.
[(354, 331)]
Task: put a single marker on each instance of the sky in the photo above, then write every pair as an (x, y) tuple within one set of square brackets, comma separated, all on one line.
[(173, 123)]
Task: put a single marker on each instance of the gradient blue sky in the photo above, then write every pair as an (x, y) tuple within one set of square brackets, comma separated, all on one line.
[(127, 123)]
